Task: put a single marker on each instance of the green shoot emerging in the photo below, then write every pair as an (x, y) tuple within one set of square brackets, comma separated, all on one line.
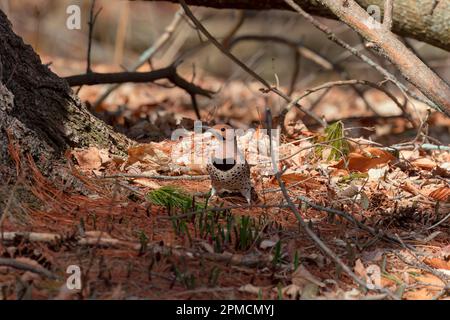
[(335, 139)]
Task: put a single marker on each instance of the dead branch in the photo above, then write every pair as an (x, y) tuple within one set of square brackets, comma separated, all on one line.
[(299, 47), (388, 75), (234, 29), (389, 46), (323, 246), (100, 239), (320, 244), (351, 219), (169, 73), (442, 276), (352, 82), (148, 53), (13, 263), (388, 11), (156, 177), (233, 58)]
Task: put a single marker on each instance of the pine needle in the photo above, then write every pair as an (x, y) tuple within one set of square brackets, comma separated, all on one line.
[(173, 197)]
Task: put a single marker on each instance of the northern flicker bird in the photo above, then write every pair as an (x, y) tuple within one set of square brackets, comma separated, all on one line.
[(227, 167)]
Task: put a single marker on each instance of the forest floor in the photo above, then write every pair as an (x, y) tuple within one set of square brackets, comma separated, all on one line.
[(141, 225)]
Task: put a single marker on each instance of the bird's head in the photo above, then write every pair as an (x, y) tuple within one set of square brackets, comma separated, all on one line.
[(227, 147), (223, 130)]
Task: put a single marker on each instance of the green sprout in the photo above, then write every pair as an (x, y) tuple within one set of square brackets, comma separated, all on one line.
[(335, 138)]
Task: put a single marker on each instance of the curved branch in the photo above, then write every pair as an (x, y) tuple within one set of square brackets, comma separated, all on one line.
[(305, 52), (168, 73), (352, 82), (301, 49), (389, 46), (411, 67), (233, 58)]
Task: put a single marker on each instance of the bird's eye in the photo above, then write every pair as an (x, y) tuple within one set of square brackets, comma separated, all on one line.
[(222, 129)]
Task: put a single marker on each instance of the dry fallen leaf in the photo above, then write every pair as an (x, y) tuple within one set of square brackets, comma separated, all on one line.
[(376, 174), (359, 268), (421, 294), (265, 244), (147, 183), (442, 171), (152, 156), (410, 187), (438, 263), (302, 277), (441, 194), (372, 274), (303, 180), (428, 279), (445, 252), (430, 286), (249, 288), (366, 159), (89, 158), (385, 282), (424, 163), (348, 192)]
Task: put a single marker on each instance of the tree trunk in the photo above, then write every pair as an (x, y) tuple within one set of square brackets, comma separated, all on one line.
[(39, 111), (424, 20)]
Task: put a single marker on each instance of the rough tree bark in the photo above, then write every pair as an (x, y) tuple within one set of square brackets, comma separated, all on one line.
[(39, 111), (424, 20)]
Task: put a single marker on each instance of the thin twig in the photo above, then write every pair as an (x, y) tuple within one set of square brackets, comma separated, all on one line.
[(442, 276), (439, 222), (323, 246), (312, 234), (351, 219), (295, 72), (195, 106), (388, 75), (227, 53), (103, 240), (91, 24), (301, 50), (169, 73), (156, 177), (234, 29), (352, 83), (148, 53), (304, 51)]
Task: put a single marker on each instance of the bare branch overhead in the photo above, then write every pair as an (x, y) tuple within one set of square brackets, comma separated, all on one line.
[(421, 20)]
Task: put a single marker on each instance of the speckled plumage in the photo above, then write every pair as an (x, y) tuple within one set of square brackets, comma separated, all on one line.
[(235, 179), (231, 175)]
